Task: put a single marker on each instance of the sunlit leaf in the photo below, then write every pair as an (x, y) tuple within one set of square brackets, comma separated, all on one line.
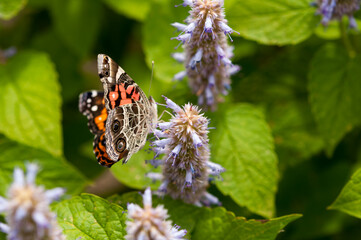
[(277, 22), (349, 200), (243, 145), (217, 224), (136, 9), (30, 104), (9, 8), (90, 217)]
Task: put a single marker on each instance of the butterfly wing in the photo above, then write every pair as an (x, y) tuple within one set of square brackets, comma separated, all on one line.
[(91, 104), (128, 107)]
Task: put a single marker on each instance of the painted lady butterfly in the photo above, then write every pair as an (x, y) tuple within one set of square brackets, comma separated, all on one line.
[(120, 117)]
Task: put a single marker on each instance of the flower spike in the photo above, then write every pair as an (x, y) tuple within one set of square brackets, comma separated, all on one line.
[(206, 52), (186, 166)]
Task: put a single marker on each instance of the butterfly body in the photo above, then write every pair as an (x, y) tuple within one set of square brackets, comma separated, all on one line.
[(124, 117)]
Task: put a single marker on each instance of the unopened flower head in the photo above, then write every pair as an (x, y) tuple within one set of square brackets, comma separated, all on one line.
[(186, 165), (336, 9), (150, 223), (207, 54), (27, 209)]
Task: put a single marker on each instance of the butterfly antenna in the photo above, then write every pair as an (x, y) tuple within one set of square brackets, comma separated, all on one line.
[(151, 78)]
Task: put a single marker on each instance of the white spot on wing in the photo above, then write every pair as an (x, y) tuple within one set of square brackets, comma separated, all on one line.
[(94, 93), (94, 108), (89, 100)]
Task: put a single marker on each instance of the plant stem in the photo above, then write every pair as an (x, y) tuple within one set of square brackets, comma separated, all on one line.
[(346, 40)]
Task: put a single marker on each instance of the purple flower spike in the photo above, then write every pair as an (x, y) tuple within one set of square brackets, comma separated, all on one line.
[(186, 166), (206, 50)]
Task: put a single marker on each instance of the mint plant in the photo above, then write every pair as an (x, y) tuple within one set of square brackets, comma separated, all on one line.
[(269, 152)]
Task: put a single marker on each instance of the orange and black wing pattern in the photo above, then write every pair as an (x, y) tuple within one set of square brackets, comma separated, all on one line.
[(91, 104)]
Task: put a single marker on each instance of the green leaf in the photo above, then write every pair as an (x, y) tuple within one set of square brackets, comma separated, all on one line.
[(66, 61), (219, 224), (243, 145), (136, 9), (133, 174), (294, 131), (30, 103), (157, 44), (54, 171), (283, 93), (334, 84), (349, 200), (274, 21), (9, 8), (77, 22), (90, 217)]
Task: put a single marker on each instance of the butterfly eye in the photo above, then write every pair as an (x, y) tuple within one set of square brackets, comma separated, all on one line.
[(120, 145), (116, 126)]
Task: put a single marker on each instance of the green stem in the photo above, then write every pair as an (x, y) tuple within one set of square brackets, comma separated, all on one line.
[(346, 40)]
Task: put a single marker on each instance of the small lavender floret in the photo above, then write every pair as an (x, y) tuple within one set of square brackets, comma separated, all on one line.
[(164, 125), (163, 142), (176, 150), (179, 76), (183, 38), (208, 26), (180, 57), (234, 69), (172, 105), (190, 27)]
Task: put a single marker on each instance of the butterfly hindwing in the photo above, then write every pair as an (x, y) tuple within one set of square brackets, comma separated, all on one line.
[(91, 104)]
